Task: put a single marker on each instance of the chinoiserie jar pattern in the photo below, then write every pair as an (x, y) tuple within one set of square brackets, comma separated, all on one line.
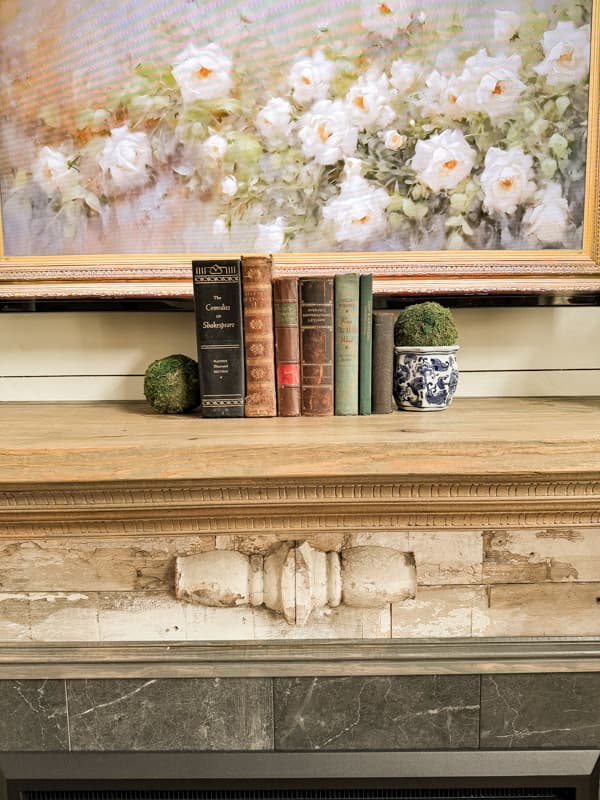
[(425, 378)]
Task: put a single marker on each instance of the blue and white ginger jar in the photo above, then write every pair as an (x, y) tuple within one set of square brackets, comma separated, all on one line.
[(425, 378)]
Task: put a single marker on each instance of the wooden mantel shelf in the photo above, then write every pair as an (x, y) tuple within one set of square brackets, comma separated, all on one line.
[(79, 442), (122, 468), (122, 474)]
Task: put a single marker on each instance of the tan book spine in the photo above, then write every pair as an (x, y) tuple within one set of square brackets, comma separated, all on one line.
[(257, 294), (287, 346)]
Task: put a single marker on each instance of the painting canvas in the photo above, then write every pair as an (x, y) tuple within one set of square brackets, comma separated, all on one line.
[(200, 126)]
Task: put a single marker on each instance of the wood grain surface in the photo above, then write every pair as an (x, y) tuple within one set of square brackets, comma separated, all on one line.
[(79, 442), (258, 659)]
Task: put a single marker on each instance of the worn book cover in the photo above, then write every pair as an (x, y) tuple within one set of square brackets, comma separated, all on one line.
[(287, 346), (365, 337), (316, 346), (383, 361), (257, 294), (346, 318), (220, 337)]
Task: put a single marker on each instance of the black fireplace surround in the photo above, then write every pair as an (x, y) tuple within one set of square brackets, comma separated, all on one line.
[(409, 775)]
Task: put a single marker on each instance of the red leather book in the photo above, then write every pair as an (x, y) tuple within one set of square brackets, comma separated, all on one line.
[(316, 346), (287, 346), (257, 292)]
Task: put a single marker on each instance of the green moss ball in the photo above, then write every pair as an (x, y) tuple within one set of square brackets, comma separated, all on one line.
[(171, 384), (425, 325)]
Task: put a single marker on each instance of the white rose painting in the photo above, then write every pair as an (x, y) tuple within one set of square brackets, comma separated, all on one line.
[(202, 73), (125, 160), (131, 127)]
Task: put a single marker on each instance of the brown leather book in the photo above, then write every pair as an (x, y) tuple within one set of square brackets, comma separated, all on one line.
[(257, 291), (316, 346), (287, 346)]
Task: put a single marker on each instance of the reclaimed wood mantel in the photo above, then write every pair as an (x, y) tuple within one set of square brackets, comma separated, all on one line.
[(112, 472), (122, 469)]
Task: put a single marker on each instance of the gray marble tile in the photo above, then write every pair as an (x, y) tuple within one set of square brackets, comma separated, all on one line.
[(389, 713), (171, 714), (552, 710), (33, 715)]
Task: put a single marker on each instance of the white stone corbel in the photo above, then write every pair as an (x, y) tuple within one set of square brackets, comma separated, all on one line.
[(295, 578)]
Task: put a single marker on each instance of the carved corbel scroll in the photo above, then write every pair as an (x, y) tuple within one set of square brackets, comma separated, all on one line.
[(295, 578)]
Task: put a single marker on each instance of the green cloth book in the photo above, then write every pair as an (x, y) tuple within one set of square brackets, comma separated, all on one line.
[(365, 338), (346, 326)]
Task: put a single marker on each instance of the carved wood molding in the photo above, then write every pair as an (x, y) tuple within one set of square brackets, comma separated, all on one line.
[(299, 525), (214, 494), (300, 508), (310, 658)]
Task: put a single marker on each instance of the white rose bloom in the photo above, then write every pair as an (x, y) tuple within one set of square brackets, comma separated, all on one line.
[(368, 101), (203, 73), (326, 133), (310, 78), (352, 166), (229, 185), (51, 171), (394, 140), (357, 213), (506, 24), (274, 121), (567, 51), (404, 75), (443, 160), (506, 179), (386, 18), (491, 84), (219, 227), (125, 158), (270, 237), (214, 149), (547, 220), (440, 97)]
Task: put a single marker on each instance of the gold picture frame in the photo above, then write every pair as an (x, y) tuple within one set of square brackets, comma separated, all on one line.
[(168, 276)]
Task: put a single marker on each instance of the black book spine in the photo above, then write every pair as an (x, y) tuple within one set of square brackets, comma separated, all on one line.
[(220, 336)]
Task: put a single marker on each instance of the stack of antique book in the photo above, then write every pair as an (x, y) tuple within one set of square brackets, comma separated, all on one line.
[(289, 346)]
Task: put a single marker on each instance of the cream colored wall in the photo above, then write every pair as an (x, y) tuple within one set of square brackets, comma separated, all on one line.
[(103, 355)]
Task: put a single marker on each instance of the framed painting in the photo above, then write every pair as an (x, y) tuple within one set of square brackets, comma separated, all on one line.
[(445, 147)]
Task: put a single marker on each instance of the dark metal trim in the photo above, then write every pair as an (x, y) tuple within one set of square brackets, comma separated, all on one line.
[(484, 299), (564, 767)]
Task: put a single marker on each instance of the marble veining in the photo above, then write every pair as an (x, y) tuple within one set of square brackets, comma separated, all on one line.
[(399, 712), (114, 701), (33, 715), (170, 714), (540, 710)]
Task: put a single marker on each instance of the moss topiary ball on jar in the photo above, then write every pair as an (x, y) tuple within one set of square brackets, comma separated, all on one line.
[(425, 368), (171, 384), (425, 325)]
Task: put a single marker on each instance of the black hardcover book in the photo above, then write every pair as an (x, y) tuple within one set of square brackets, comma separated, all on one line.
[(220, 336)]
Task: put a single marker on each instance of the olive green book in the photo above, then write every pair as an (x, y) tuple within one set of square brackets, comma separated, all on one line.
[(365, 344), (346, 327)]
